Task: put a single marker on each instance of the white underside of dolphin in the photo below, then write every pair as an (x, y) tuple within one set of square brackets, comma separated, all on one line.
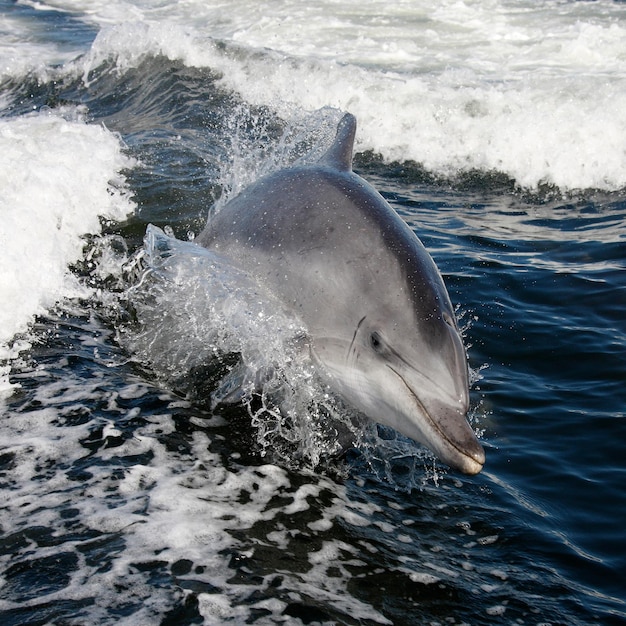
[(381, 329)]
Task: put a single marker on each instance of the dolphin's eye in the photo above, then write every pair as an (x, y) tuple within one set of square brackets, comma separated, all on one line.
[(376, 341), (447, 318)]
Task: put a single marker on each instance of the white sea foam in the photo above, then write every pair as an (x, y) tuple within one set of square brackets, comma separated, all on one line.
[(519, 88), (33, 39), (147, 502), (59, 176), (19, 54)]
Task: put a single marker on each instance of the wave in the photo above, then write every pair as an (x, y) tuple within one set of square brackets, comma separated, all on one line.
[(567, 132), (466, 86), (60, 176)]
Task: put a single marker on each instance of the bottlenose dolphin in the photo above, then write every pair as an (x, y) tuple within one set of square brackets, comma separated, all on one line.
[(381, 329)]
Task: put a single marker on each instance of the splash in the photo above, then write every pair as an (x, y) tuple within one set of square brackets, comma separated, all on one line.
[(210, 332), (261, 143)]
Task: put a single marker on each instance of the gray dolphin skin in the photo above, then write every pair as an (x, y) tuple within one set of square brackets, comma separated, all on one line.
[(381, 329)]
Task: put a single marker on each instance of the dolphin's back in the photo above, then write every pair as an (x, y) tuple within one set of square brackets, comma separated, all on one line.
[(309, 231), (306, 231)]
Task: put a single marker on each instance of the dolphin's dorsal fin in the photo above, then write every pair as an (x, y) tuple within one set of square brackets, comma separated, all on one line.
[(339, 155)]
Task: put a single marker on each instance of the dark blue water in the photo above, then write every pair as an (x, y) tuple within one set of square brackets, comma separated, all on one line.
[(537, 538)]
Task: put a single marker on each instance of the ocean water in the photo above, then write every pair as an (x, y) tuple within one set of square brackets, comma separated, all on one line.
[(129, 493)]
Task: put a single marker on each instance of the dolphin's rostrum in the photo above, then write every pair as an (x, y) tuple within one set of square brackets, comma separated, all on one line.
[(381, 328)]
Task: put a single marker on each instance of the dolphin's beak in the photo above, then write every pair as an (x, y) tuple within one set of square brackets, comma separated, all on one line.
[(445, 430), (473, 459), (457, 445), (455, 442)]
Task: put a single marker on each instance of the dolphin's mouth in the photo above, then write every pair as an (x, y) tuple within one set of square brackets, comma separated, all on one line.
[(464, 454)]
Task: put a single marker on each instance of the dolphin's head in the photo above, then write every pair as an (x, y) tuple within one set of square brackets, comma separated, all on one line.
[(402, 362), (418, 387)]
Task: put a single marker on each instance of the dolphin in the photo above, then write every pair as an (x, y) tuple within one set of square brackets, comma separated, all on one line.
[(381, 330)]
